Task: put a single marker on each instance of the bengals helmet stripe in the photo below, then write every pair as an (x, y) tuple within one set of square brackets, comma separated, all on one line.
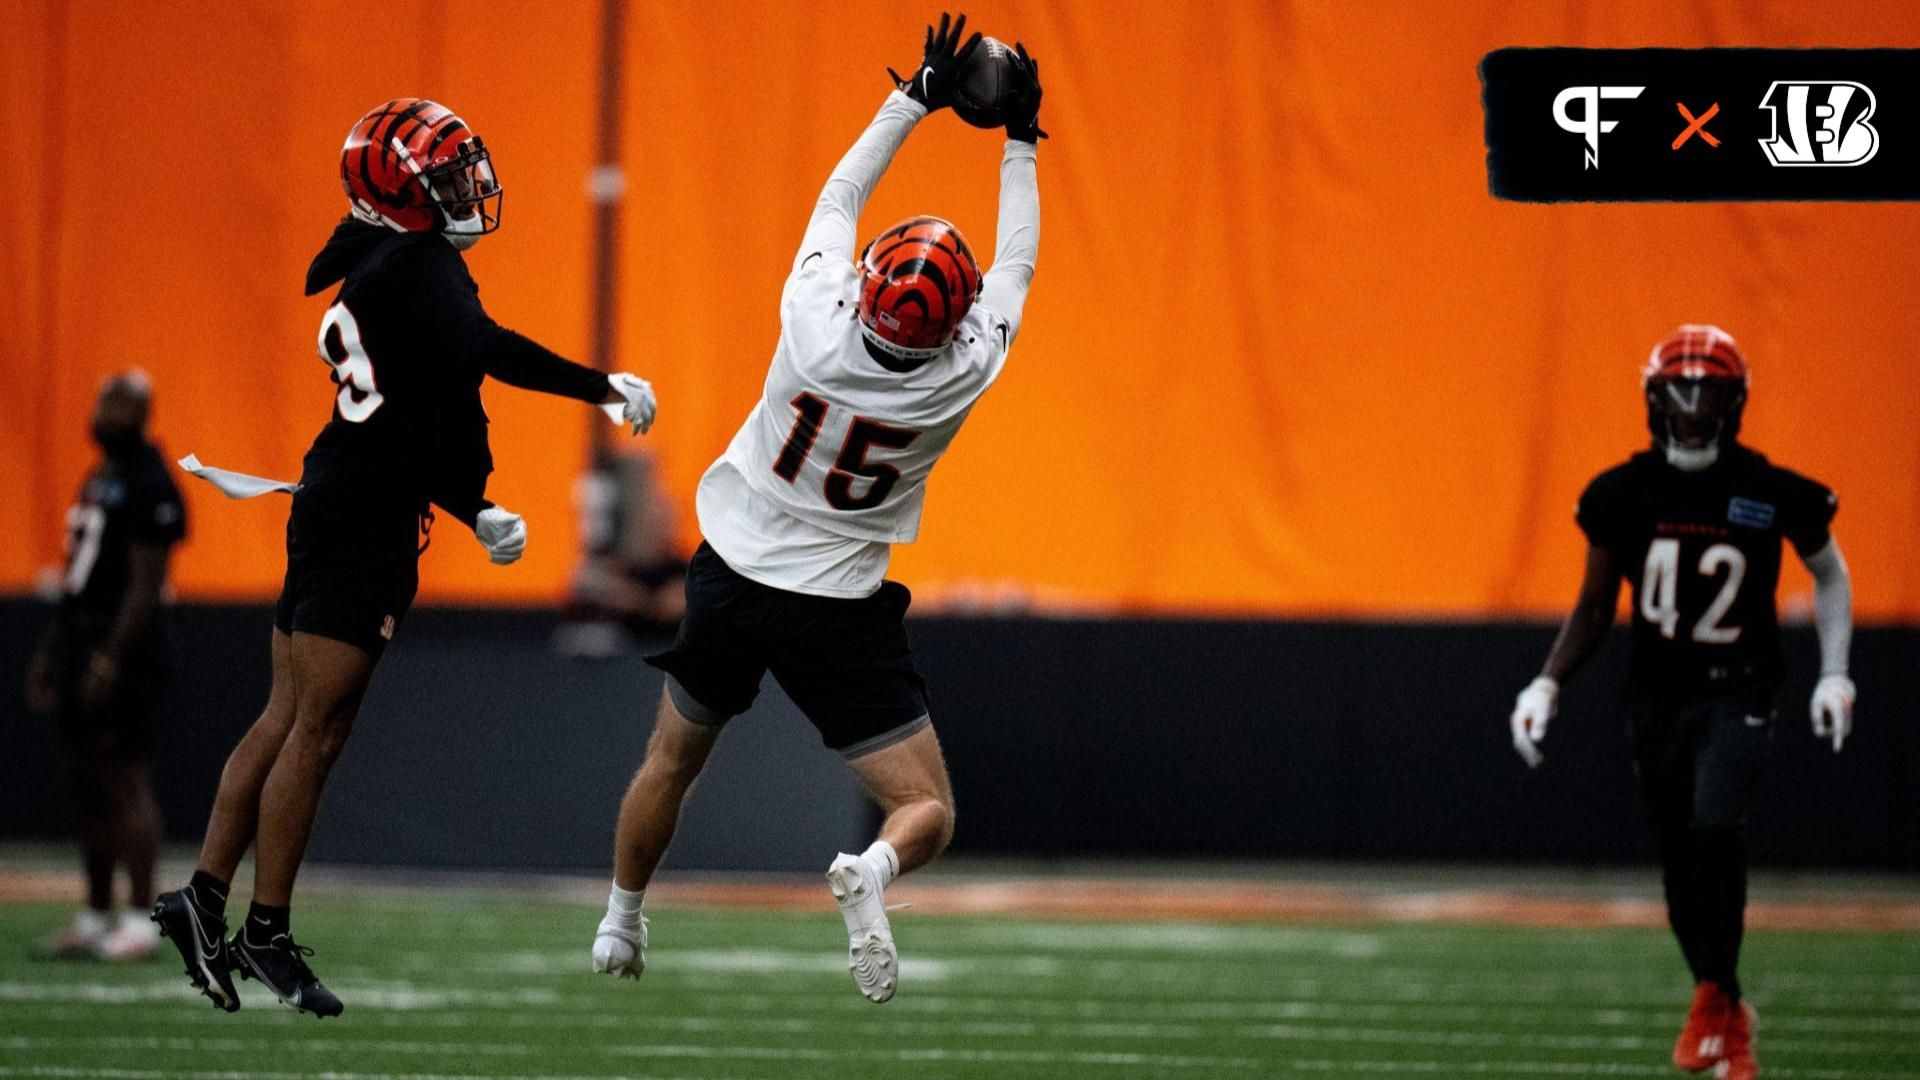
[(1696, 351), (414, 166), (919, 280)]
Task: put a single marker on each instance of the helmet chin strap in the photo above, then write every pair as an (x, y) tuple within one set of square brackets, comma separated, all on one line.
[(461, 234), (1692, 458)]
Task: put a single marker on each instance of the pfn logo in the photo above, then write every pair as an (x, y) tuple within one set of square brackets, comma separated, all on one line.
[(1826, 124), (1589, 124)]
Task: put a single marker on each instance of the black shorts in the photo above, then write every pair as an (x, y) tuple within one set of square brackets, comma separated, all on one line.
[(353, 563), (846, 663), (1699, 762)]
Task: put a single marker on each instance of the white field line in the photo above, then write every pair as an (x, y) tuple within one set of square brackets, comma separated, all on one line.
[(65, 1072), (1186, 938), (1334, 1001), (1622, 1043), (650, 1051), (1175, 969), (401, 997), (1111, 988), (1058, 1015), (1555, 1068), (1317, 1066)]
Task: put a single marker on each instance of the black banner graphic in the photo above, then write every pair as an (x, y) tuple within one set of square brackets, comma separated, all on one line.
[(1702, 124)]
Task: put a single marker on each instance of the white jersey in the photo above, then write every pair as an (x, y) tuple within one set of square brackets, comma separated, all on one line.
[(830, 468)]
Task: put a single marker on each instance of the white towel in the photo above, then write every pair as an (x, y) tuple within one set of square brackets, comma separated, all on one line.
[(235, 485)]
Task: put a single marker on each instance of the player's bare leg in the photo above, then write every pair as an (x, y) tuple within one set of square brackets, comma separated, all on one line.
[(134, 831), (329, 679), (236, 807), (649, 813), (92, 800), (909, 782), (136, 828)]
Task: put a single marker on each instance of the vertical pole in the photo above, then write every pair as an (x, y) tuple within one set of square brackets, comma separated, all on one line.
[(606, 185), (44, 500)]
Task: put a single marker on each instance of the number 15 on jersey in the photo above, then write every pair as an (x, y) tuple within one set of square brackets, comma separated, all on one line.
[(851, 464)]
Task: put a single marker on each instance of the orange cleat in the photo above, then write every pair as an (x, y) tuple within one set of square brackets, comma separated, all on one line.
[(1703, 1041), (1740, 1064)]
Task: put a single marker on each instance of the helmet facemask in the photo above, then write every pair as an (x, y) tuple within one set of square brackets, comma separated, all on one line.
[(1691, 418), (466, 191)]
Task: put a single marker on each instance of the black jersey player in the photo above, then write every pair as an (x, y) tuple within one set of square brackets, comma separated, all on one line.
[(409, 346), (103, 660), (1695, 525)]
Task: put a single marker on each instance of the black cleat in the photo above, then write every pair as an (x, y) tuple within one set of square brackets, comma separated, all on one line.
[(281, 967), (200, 935)]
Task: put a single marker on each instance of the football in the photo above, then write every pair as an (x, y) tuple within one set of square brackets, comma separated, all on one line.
[(989, 85)]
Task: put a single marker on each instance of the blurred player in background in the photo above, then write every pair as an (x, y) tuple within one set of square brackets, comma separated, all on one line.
[(632, 576), (878, 364), (409, 345), (1695, 524), (103, 661)]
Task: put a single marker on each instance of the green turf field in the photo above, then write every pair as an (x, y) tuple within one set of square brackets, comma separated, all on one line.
[(470, 985)]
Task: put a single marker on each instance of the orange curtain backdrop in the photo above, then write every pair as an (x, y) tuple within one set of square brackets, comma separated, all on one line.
[(1284, 354)]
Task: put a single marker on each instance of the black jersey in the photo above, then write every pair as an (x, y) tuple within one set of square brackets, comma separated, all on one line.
[(128, 499), (409, 345), (1702, 552)]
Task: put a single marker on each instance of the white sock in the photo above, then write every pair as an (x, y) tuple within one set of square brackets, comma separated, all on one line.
[(882, 855), (624, 906)]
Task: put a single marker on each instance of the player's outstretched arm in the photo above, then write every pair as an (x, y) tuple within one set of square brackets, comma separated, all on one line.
[(831, 232), (1016, 246), (1580, 637), (451, 309), (836, 214), (1832, 706)]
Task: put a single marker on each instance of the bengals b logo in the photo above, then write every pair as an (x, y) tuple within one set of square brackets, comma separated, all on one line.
[(1820, 123)]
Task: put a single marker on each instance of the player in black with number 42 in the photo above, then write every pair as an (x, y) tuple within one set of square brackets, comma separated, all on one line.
[(1695, 525), (409, 345)]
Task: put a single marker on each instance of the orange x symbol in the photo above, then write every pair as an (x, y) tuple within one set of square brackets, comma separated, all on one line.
[(1697, 125)]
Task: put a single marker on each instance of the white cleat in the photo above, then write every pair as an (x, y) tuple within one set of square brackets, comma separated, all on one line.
[(620, 948), (871, 956), (132, 941), (80, 940)]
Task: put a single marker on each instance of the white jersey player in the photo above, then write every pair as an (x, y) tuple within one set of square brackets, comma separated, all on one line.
[(878, 365)]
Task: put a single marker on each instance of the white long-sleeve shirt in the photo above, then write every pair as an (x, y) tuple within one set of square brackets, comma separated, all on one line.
[(830, 468)]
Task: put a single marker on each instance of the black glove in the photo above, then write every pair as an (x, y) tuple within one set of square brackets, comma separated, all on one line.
[(1023, 120), (940, 64)]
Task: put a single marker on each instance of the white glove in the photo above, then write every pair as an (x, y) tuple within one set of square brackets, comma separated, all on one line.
[(502, 533), (1531, 710), (638, 409), (620, 947), (1832, 709)]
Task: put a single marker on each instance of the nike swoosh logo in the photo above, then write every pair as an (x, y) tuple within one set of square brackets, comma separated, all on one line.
[(209, 944)]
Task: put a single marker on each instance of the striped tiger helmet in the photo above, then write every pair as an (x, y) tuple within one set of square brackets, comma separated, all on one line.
[(919, 279), (413, 166), (1695, 382)]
